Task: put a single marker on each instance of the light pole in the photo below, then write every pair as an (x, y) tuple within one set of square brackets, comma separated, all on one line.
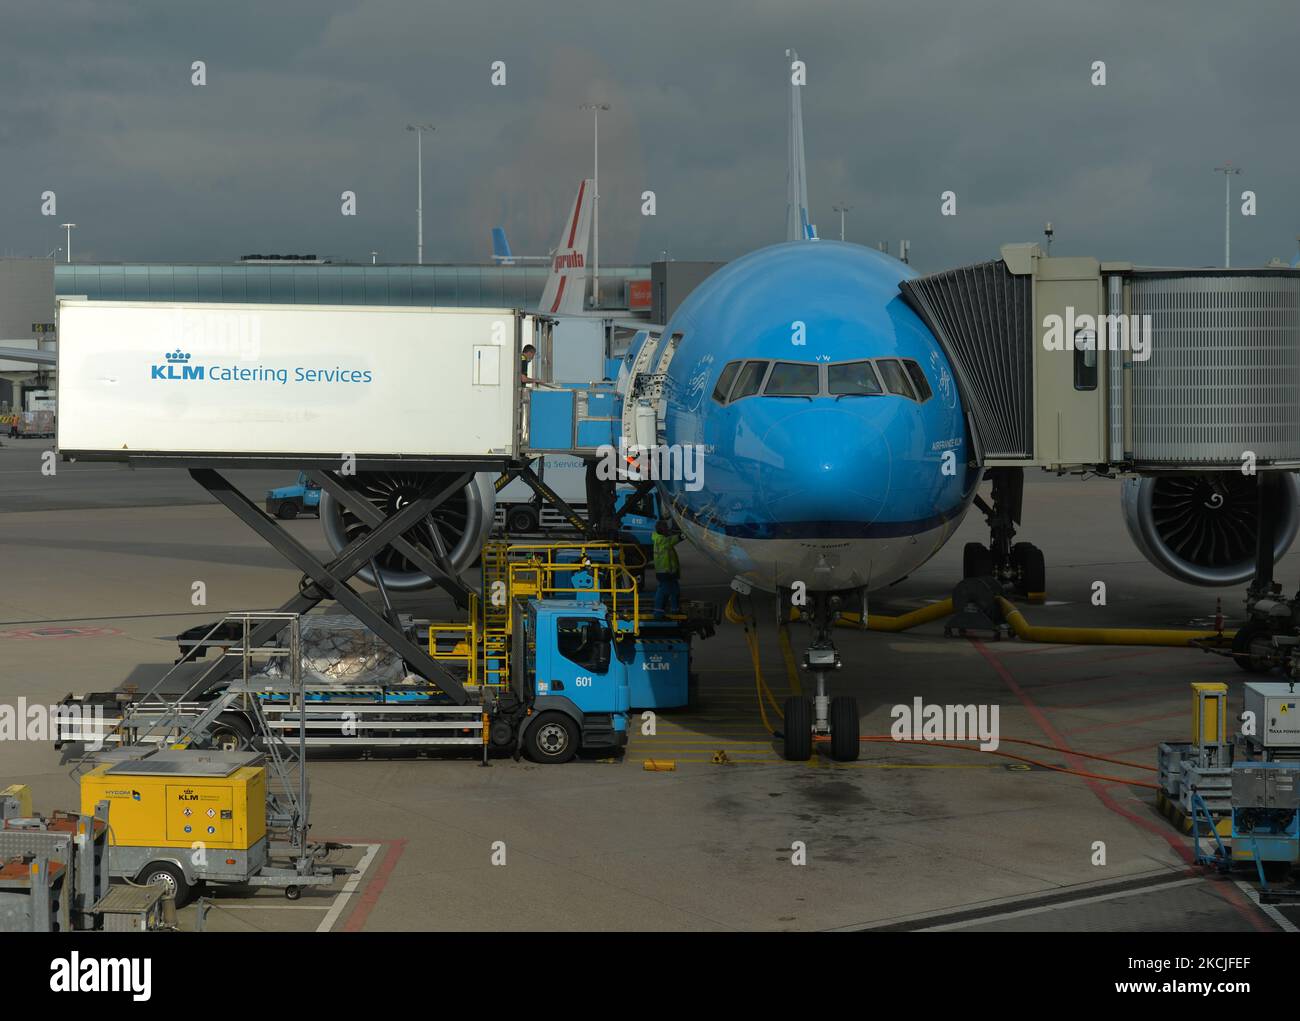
[(595, 109), (419, 130), (841, 209), (1227, 170), (68, 227)]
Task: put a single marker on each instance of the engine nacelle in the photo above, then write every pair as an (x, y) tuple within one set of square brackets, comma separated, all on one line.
[(458, 526), (1202, 529)]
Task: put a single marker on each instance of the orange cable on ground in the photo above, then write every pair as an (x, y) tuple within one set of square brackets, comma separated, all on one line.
[(1018, 758)]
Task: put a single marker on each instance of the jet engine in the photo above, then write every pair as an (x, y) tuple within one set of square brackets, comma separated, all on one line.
[(1202, 529), (458, 527)]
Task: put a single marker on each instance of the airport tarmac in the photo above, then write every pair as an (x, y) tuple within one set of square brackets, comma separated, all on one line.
[(99, 564)]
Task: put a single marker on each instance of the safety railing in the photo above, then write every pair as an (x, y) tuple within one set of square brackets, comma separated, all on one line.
[(458, 643), (514, 571), (611, 583)]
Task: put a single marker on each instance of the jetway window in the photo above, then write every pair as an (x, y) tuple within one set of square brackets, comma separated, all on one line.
[(895, 377), (852, 379), (793, 379), (923, 391), (1085, 360), (724, 381), (750, 380)]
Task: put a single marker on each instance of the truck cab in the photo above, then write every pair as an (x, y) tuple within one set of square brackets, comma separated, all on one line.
[(303, 497), (577, 686)]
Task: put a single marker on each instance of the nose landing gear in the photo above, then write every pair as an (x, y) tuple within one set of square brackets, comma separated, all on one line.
[(821, 716)]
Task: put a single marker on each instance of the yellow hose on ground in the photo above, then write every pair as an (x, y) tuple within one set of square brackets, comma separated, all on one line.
[(1102, 635), (791, 668), (914, 618), (1029, 632), (760, 685)]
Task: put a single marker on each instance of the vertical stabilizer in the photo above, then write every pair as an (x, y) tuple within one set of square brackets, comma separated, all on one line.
[(566, 286), (797, 225)]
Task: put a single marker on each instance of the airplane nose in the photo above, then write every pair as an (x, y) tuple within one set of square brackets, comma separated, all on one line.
[(824, 464)]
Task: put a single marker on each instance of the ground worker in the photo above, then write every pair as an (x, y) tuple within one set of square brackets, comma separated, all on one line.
[(668, 568)]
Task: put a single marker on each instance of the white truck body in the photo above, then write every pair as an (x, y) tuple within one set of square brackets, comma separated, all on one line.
[(564, 474), (287, 381)]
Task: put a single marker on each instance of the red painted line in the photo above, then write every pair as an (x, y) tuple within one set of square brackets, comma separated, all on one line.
[(368, 897), (1088, 678), (1132, 696), (1149, 746), (1098, 788), (1126, 723)]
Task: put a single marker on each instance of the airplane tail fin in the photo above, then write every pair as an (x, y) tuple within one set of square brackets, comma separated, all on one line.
[(501, 247), (566, 285), (797, 225)]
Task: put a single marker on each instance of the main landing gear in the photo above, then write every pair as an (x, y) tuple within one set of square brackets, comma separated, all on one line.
[(1018, 566), (819, 716)]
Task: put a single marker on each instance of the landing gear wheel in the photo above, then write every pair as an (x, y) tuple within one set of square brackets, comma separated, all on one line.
[(976, 561), (844, 729), (1248, 648), (553, 737), (1031, 568), (169, 877), (287, 512), (797, 733)]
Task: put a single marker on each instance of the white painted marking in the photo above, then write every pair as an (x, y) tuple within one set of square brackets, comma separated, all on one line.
[(1280, 919), (349, 889), (1063, 905)]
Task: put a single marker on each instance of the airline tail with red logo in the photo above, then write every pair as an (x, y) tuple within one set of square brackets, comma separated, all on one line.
[(566, 285)]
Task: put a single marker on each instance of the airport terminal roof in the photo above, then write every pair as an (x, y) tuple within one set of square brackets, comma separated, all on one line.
[(456, 285)]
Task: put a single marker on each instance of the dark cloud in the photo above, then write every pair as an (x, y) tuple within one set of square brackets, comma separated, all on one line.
[(904, 101)]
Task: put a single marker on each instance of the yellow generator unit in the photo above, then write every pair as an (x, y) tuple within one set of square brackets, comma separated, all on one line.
[(167, 806), (162, 802)]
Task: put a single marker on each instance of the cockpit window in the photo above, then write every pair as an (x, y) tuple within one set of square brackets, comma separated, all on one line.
[(896, 381), (724, 382), (749, 380), (901, 376), (923, 391), (852, 378), (793, 379)]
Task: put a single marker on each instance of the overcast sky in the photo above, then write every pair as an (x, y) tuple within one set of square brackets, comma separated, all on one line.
[(905, 100)]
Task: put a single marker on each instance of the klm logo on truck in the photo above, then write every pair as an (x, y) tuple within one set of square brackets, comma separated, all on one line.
[(178, 367)]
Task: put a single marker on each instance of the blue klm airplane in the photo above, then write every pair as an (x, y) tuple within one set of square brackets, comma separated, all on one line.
[(836, 456)]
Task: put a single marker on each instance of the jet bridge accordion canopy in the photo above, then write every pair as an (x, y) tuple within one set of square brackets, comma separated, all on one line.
[(981, 315)]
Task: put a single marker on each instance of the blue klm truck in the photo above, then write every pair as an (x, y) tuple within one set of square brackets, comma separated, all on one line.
[(286, 502)]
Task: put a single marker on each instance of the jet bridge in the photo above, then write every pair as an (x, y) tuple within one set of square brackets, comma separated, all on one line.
[(1069, 363), (1186, 381)]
